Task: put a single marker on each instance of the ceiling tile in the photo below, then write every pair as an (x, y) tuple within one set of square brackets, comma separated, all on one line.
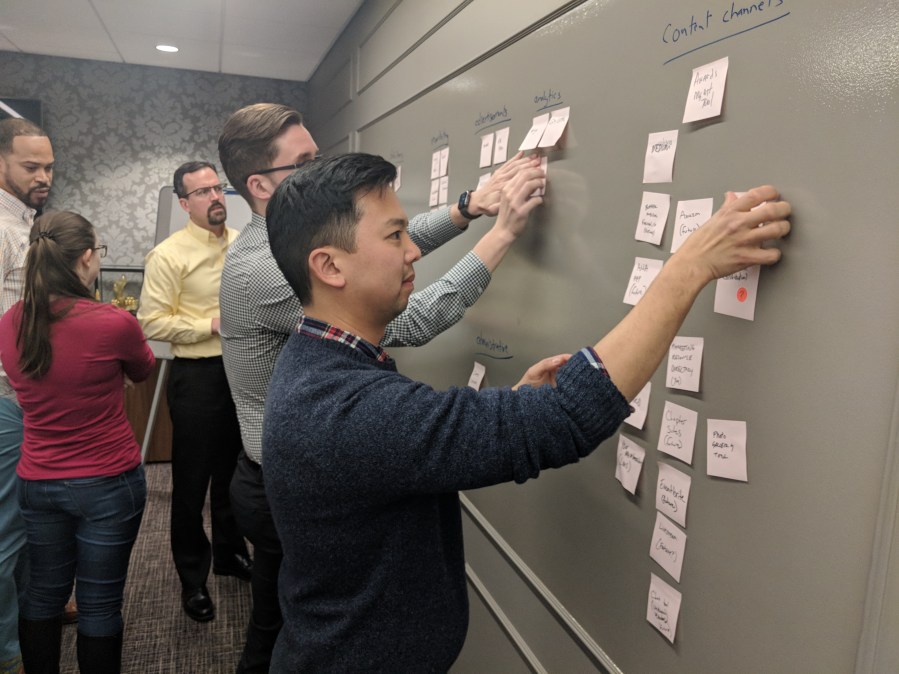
[(282, 39)]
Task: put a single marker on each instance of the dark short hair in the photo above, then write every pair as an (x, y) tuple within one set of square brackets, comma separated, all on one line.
[(317, 206), (16, 126), (188, 167), (247, 143)]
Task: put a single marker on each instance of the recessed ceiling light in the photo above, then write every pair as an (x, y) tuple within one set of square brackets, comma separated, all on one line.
[(166, 48)]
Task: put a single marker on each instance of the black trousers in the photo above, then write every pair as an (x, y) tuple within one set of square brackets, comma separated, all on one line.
[(254, 519), (205, 445)]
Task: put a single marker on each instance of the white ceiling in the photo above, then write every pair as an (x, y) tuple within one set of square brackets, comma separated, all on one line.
[(283, 39)]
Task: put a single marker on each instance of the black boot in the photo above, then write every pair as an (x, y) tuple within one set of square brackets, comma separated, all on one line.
[(99, 655), (39, 641)]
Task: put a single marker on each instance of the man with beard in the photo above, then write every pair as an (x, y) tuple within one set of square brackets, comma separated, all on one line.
[(26, 173), (180, 304)]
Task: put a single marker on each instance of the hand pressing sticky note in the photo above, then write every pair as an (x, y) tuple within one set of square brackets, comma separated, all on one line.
[(555, 127), (538, 126), (689, 216)]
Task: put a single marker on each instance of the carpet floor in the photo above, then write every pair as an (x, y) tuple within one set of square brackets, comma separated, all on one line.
[(159, 637)]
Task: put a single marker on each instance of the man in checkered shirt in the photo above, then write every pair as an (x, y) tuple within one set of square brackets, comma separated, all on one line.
[(259, 147)]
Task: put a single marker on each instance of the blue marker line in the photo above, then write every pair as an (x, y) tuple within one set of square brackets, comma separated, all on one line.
[(726, 37), (502, 121), (547, 107), (487, 355)]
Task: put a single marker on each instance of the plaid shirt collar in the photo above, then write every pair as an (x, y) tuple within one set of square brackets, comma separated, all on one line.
[(16, 207), (320, 330)]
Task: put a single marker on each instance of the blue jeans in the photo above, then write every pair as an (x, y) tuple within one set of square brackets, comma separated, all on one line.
[(13, 564), (81, 527)]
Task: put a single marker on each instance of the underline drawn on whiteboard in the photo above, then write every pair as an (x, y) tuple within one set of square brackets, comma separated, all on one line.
[(492, 355), (488, 126), (726, 37), (487, 119), (549, 98), (494, 348)]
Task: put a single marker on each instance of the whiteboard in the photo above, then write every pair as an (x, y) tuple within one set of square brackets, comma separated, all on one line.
[(776, 569)]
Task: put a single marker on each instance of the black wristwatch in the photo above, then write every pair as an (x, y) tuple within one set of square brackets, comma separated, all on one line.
[(464, 200)]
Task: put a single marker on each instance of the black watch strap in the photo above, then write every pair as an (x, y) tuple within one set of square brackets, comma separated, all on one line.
[(464, 200)]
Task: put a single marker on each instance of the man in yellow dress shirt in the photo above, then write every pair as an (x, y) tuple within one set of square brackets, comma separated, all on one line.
[(180, 304)]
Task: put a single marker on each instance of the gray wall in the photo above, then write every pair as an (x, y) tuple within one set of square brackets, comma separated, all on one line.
[(120, 131), (794, 570)]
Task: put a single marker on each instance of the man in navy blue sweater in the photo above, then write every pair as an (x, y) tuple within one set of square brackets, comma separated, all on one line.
[(362, 465)]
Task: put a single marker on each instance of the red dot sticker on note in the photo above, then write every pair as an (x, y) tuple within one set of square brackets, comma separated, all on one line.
[(742, 294)]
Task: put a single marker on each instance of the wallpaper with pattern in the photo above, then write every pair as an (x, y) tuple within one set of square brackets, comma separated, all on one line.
[(120, 131)]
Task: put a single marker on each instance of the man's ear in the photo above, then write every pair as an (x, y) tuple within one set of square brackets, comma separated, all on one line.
[(260, 188), (183, 202), (324, 268)]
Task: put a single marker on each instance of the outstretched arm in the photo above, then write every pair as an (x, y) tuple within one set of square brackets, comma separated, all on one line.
[(443, 303), (730, 241)]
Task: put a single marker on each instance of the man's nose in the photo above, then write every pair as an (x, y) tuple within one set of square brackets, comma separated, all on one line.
[(413, 252)]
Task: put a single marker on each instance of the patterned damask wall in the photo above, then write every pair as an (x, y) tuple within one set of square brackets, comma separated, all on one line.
[(120, 131)]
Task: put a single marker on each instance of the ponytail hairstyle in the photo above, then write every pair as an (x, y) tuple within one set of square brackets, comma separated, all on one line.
[(56, 242)]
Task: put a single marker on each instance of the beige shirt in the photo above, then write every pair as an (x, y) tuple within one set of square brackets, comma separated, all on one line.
[(15, 224)]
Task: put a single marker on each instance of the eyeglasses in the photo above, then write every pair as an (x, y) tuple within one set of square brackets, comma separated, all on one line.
[(101, 250), (286, 167), (204, 192)]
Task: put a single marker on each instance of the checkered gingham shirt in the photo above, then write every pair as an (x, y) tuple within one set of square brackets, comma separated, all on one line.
[(15, 225), (260, 311)]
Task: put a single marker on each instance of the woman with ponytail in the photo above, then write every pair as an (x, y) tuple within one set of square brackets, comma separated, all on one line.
[(81, 482)]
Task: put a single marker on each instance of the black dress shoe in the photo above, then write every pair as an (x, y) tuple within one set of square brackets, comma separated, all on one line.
[(239, 566), (197, 604)]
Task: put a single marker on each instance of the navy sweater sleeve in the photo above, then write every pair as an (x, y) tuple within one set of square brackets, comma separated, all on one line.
[(383, 435)]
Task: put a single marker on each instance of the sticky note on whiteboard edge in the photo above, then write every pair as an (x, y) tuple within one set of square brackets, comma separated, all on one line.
[(486, 150), (558, 121), (663, 607), (629, 463), (735, 295), (533, 136), (706, 93), (661, 148), (477, 376), (640, 403), (726, 451), (501, 146)]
